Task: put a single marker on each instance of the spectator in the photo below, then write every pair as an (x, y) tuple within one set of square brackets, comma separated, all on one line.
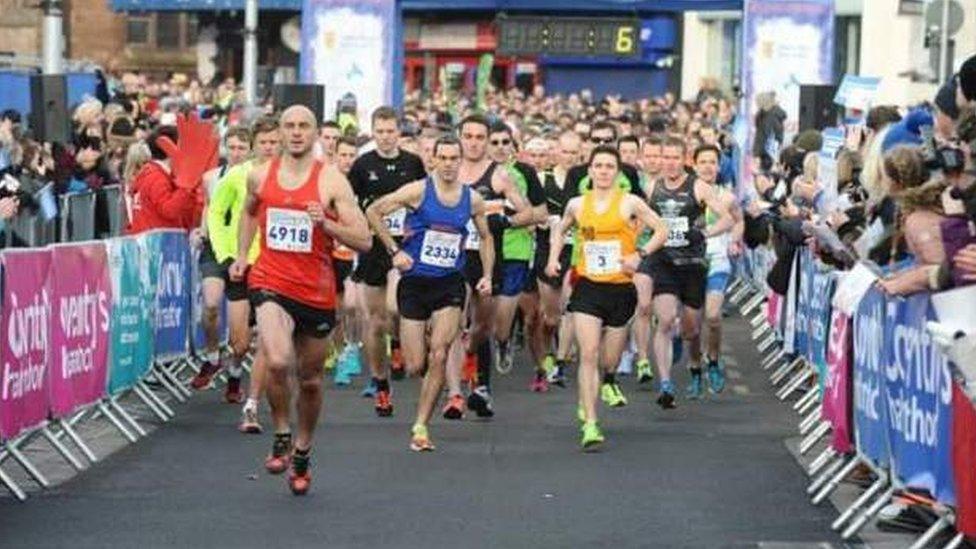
[(157, 202), (769, 130)]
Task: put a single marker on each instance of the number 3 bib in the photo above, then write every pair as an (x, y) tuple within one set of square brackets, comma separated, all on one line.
[(602, 257), (440, 249), (288, 230)]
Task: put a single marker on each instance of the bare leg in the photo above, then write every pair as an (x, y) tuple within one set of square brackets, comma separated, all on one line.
[(377, 326), (642, 320), (213, 293), (311, 352), (275, 328), (713, 322), (444, 332), (665, 309), (588, 332)]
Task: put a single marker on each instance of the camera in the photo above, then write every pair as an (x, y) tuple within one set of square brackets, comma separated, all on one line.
[(946, 159), (9, 186)]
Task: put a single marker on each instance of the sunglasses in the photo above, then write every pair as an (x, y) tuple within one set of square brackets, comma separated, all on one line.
[(501, 142), (603, 141)]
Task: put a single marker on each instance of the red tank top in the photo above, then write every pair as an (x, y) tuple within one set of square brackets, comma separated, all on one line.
[(296, 254)]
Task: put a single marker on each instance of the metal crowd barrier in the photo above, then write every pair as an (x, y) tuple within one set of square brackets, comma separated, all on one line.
[(790, 374), (81, 216)]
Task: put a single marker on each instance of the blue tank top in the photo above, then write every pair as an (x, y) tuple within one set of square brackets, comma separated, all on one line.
[(434, 234)]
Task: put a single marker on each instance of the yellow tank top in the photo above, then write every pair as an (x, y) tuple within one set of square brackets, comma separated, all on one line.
[(604, 240)]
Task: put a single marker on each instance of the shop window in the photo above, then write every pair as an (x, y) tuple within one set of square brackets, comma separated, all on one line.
[(168, 30), (137, 27)]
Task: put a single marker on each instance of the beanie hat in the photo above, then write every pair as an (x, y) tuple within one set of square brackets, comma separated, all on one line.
[(908, 131)]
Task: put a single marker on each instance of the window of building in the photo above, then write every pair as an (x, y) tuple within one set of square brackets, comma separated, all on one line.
[(847, 46), (137, 28), (732, 52), (168, 30)]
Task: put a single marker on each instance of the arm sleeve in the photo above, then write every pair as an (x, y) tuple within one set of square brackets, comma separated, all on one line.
[(170, 203)]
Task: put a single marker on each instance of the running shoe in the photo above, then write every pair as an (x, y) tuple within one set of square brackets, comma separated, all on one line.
[(695, 386), (397, 371), (277, 462), (592, 437), (549, 365), (369, 391), (330, 362), (716, 376), (558, 377), (666, 399), (205, 377), (469, 371), (233, 393), (645, 374), (383, 405), (539, 384), (341, 378), (480, 401), (249, 422), (454, 409), (354, 359), (300, 479), (612, 396), (420, 439), (504, 358)]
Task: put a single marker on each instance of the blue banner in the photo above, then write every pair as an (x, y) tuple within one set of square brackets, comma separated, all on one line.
[(172, 292), (133, 310), (870, 407), (806, 273), (818, 318), (918, 393)]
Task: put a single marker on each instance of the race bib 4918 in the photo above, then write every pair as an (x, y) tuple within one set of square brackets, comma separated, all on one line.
[(288, 230)]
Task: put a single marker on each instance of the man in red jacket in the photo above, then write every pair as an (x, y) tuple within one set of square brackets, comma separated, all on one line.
[(166, 193)]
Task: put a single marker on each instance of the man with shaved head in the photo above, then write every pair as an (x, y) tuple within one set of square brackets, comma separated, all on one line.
[(302, 207)]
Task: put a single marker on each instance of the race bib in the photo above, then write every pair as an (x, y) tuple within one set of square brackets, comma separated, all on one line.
[(288, 230), (677, 232), (473, 241), (395, 222), (440, 249), (602, 257)]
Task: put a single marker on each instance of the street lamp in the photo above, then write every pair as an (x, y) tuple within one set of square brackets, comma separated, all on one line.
[(53, 45)]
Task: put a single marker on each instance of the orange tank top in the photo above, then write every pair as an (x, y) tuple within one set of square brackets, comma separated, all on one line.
[(605, 239), (296, 253)]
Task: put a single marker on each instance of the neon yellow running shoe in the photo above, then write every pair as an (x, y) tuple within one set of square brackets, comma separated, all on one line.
[(592, 437), (549, 365), (612, 396), (645, 374)]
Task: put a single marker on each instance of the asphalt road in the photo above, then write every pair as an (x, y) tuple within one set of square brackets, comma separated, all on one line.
[(708, 474)]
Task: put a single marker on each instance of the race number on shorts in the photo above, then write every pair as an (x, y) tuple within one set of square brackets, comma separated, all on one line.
[(289, 230), (677, 232), (602, 257), (395, 222), (473, 241), (440, 249)]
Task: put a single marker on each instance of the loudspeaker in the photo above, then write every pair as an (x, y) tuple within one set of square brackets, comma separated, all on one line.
[(49, 118), (310, 95), (817, 109)]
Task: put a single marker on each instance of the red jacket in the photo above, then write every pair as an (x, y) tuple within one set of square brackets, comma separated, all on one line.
[(157, 203)]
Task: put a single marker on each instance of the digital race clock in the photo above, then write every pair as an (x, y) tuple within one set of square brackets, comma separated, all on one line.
[(570, 36)]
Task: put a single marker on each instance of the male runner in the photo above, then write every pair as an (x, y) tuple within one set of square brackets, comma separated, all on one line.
[(300, 207), (719, 249), (651, 171), (604, 297), (223, 221), (345, 353), (374, 174), (679, 269), (629, 148), (516, 242), (213, 273), (431, 292), (329, 134), (505, 208)]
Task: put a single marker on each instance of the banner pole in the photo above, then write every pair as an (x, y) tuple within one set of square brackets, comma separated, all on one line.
[(76, 438), (821, 460), (834, 482), (822, 429), (955, 542), (115, 421), (148, 393), (14, 488), (856, 506), (114, 404), (826, 475), (803, 401), (860, 521), (929, 534), (26, 464), (150, 404)]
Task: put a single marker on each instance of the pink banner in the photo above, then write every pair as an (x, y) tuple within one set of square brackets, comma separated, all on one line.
[(81, 301), (837, 401), (24, 351), (773, 301)]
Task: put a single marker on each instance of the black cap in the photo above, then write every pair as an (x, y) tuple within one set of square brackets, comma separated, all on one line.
[(945, 99), (967, 78)]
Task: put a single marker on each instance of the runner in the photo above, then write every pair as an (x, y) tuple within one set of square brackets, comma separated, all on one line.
[(292, 284), (604, 297), (651, 171), (496, 187), (679, 270), (345, 353), (431, 292), (718, 249), (374, 174), (213, 273), (516, 244), (329, 134), (223, 221)]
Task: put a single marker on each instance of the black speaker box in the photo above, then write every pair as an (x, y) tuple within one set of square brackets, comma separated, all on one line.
[(310, 95), (49, 118), (817, 109)]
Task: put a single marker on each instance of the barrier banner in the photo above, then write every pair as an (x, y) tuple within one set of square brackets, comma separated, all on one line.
[(773, 303), (964, 460), (836, 404), (133, 309), (172, 293), (806, 272), (790, 312), (870, 406), (81, 296), (821, 290), (25, 349), (918, 393)]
